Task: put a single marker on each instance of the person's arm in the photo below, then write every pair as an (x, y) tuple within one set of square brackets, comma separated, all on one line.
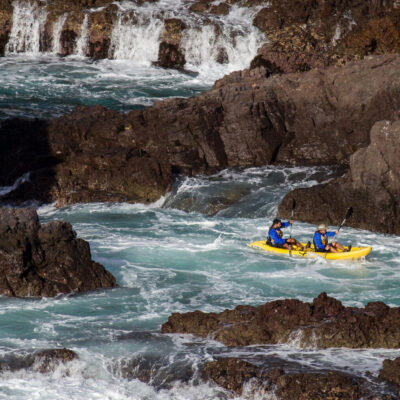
[(317, 241), (330, 234), (285, 224), (275, 237)]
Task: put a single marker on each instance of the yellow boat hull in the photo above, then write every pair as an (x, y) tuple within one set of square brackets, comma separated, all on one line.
[(354, 254)]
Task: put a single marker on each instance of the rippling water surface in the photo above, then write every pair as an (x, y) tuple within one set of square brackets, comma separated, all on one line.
[(169, 260)]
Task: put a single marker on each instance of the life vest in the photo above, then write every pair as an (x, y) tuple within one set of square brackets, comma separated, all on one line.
[(270, 241), (324, 239)]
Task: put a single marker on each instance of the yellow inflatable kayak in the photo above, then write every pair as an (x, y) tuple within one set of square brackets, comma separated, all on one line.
[(353, 254)]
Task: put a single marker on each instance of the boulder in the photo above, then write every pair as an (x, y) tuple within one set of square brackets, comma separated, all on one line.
[(233, 374), (47, 360), (323, 323), (391, 372), (371, 186), (45, 259), (170, 54)]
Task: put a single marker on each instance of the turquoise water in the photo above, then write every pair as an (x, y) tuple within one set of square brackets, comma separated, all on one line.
[(168, 260), (47, 86)]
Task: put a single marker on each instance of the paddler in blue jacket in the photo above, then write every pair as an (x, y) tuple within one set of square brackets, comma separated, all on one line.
[(321, 242), (275, 235)]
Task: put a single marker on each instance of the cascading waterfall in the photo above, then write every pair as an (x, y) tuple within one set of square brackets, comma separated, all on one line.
[(136, 40), (231, 40), (27, 28), (82, 42), (57, 29)]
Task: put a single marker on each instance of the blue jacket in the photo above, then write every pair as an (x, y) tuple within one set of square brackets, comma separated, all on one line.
[(321, 240), (276, 234)]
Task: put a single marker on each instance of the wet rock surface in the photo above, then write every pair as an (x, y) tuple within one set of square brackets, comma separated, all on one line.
[(234, 375), (43, 361), (391, 372), (323, 323), (246, 119), (371, 186), (45, 259), (170, 54)]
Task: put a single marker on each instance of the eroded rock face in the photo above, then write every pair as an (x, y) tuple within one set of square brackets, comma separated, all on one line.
[(232, 374), (323, 323), (45, 260), (372, 187), (308, 34)]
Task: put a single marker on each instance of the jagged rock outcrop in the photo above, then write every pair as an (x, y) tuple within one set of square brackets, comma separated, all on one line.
[(233, 374), (371, 186), (246, 119), (45, 259), (308, 34), (323, 323)]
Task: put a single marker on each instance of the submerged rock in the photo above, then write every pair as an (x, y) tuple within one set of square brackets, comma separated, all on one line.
[(47, 360), (323, 323), (43, 361), (371, 186), (45, 259)]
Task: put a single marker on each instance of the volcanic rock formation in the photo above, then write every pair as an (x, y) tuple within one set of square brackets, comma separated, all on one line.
[(323, 323), (246, 119), (371, 186), (45, 260)]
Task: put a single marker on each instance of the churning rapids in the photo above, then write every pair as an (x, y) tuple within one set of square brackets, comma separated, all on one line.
[(169, 260)]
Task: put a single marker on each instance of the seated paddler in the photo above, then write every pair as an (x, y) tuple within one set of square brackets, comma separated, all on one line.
[(275, 235), (321, 242)]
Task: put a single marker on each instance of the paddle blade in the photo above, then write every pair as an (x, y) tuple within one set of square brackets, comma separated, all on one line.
[(294, 204), (349, 213)]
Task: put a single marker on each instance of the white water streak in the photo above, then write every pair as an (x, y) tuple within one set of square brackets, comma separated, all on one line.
[(82, 42), (27, 28), (57, 29), (136, 40)]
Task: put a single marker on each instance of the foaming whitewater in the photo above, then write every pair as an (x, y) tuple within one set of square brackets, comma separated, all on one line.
[(82, 42), (27, 28), (171, 257), (57, 28), (213, 46)]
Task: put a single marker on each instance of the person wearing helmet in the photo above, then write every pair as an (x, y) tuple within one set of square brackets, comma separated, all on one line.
[(275, 235), (321, 242)]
